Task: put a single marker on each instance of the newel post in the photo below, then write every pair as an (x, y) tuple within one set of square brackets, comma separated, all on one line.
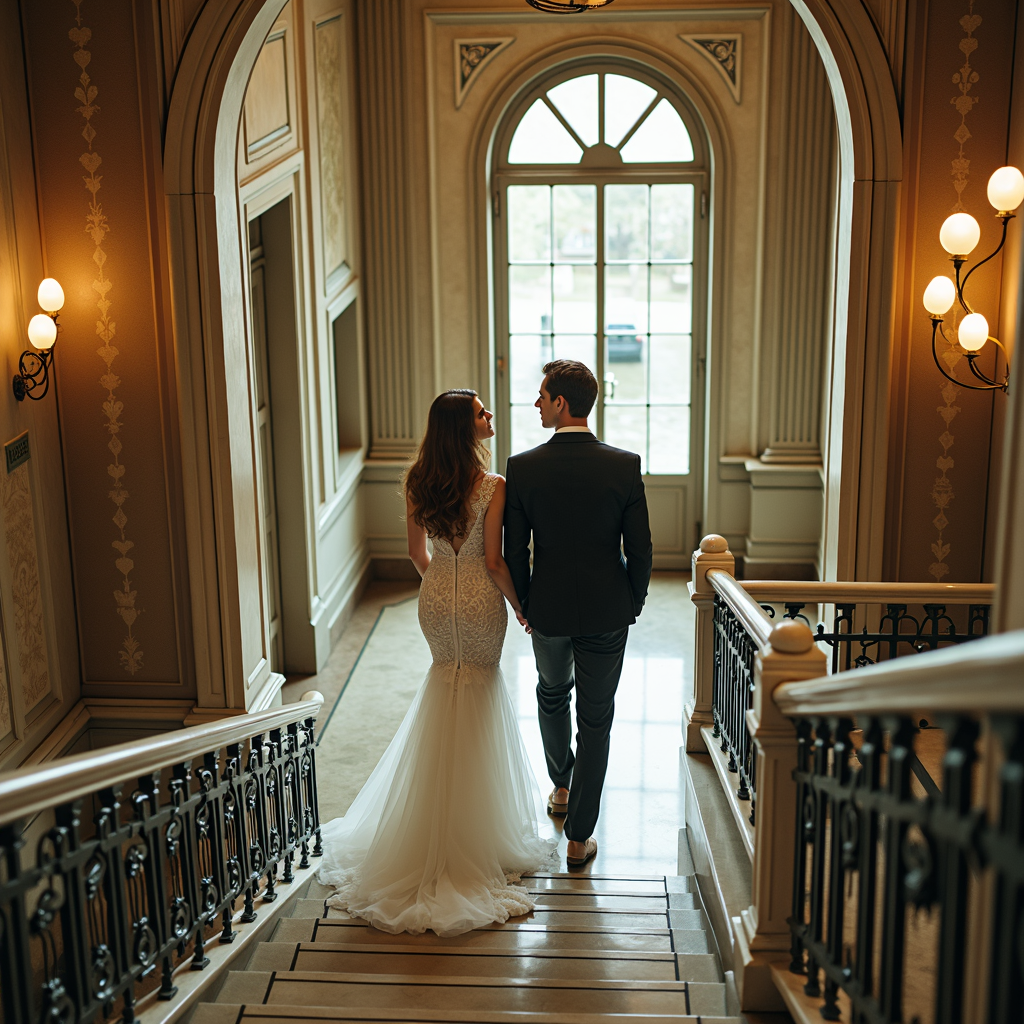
[(762, 932), (713, 553)]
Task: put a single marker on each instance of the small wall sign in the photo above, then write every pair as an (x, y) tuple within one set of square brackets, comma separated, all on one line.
[(16, 452)]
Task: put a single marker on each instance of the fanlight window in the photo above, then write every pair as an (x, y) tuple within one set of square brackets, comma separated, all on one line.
[(601, 118)]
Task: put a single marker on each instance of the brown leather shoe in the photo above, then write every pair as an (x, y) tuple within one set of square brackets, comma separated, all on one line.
[(558, 801), (578, 854)]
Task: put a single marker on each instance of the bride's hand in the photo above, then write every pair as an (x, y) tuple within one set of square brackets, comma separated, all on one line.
[(522, 622)]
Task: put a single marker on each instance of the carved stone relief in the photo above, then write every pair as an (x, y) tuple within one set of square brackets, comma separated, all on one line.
[(471, 57), (725, 53)]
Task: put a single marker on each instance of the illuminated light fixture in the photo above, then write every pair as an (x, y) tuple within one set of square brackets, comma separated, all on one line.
[(959, 236), (567, 6), (33, 377)]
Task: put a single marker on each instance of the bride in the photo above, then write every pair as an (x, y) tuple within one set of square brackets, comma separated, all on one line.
[(449, 815)]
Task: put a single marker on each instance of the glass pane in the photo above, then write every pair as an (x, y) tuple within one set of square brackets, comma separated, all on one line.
[(661, 138), (625, 222), (625, 366), (577, 101), (541, 139), (671, 309), (527, 355), (529, 299), (575, 223), (526, 429), (672, 222), (625, 99), (575, 299), (670, 439), (625, 298), (625, 426), (529, 223), (582, 347), (670, 367)]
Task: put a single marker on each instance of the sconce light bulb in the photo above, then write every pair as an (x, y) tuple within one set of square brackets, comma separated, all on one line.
[(50, 295), (972, 332), (42, 332), (939, 295), (959, 234), (1006, 189)]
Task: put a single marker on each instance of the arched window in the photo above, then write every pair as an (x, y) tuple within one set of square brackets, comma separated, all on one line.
[(600, 192)]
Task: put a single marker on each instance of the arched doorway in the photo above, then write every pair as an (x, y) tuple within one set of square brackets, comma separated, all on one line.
[(207, 257)]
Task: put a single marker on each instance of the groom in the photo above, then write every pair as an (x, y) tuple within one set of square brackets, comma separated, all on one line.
[(583, 502)]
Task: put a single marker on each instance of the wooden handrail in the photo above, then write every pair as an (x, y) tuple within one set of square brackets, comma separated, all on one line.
[(984, 675), (27, 791), (752, 616), (826, 592)]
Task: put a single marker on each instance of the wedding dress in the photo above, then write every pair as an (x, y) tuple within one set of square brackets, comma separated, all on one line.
[(449, 815)]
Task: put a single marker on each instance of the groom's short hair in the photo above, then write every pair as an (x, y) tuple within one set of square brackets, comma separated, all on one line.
[(574, 382)]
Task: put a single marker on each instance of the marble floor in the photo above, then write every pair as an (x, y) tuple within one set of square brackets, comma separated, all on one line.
[(380, 661)]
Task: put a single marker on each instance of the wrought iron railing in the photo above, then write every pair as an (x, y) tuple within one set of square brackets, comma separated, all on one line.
[(873, 851), (119, 865), (735, 649), (871, 623)]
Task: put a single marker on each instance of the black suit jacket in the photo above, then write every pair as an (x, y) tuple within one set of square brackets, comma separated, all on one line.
[(584, 503)]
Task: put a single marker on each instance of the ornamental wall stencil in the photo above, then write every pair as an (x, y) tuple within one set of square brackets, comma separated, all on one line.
[(725, 52), (97, 227), (471, 57), (942, 490)]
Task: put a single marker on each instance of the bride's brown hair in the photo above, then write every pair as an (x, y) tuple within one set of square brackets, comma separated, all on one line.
[(450, 459)]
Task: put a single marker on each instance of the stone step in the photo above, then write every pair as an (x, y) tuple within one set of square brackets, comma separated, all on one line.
[(228, 1013), (451, 992), (411, 959), (516, 936)]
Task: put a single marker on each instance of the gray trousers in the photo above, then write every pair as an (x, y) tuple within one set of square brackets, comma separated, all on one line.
[(593, 665)]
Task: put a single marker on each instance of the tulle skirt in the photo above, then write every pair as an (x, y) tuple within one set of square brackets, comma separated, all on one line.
[(447, 818)]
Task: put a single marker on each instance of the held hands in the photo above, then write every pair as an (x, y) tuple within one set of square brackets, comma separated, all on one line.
[(520, 618)]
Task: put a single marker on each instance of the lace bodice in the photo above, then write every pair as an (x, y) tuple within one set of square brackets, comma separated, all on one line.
[(462, 612)]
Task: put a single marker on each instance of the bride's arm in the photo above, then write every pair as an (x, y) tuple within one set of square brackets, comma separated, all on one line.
[(417, 540), (493, 522)]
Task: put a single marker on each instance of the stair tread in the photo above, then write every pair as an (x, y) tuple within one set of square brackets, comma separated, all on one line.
[(456, 950), (228, 1013)]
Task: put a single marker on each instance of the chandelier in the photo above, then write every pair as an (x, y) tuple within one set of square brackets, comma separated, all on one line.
[(567, 6), (959, 235)]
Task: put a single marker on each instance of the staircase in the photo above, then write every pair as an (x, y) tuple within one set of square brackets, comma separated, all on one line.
[(597, 945)]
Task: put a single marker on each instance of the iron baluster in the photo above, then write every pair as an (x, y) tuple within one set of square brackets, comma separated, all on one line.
[(819, 768), (894, 901), (798, 922), (868, 784)]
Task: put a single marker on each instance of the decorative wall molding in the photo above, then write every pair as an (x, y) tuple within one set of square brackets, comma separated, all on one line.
[(471, 57), (97, 227), (942, 493), (725, 51), (23, 557)]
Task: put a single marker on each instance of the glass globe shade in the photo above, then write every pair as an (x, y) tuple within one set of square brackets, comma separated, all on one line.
[(939, 295), (959, 234), (50, 295), (42, 332), (1006, 189), (972, 332)]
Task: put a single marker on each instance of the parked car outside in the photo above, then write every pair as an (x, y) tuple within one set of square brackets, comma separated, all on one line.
[(624, 344)]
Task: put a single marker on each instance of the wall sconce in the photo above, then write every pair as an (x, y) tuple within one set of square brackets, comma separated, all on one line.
[(567, 6), (959, 234), (33, 377)]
